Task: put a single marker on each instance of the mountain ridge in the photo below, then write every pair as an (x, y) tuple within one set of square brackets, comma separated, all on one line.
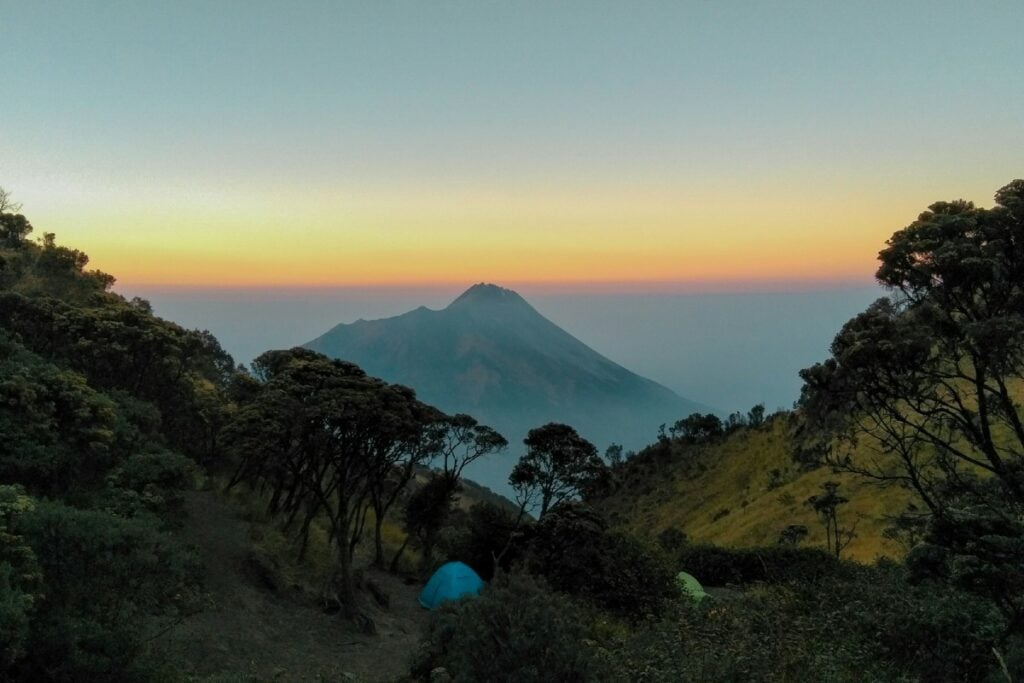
[(491, 354)]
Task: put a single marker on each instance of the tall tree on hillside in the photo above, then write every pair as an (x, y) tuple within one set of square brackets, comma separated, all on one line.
[(462, 440), (7, 203), (317, 435), (826, 506), (559, 465), (452, 442), (933, 375), (402, 443), (697, 428)]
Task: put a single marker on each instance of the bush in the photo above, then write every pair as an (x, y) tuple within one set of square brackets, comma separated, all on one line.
[(516, 631), (105, 581), (574, 551), (716, 566), (868, 625)]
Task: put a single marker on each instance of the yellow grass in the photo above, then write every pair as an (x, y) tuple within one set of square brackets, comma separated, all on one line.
[(737, 479)]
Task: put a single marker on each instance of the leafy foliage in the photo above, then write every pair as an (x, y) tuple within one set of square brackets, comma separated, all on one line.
[(697, 427), (517, 630), (559, 465), (104, 578), (323, 439), (867, 625), (718, 566), (930, 375), (574, 551), (488, 538), (93, 390)]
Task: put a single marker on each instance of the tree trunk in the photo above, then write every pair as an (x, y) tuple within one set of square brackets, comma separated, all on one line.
[(398, 556), (345, 578), (378, 541), (346, 581)]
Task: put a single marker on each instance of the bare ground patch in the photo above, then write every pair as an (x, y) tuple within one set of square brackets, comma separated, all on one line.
[(254, 632)]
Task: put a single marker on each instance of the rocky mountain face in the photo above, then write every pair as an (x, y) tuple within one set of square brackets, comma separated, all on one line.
[(492, 355)]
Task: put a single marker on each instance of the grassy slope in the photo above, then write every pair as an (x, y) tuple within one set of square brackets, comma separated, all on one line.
[(693, 487)]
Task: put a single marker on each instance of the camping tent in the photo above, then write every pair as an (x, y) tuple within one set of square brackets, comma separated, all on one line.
[(690, 586), (450, 582)]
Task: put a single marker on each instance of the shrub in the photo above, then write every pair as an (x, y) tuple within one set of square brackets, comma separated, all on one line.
[(867, 625), (671, 539), (716, 566), (105, 579), (516, 631), (574, 551)]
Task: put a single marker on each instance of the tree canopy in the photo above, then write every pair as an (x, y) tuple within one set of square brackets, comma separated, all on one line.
[(559, 465), (933, 375)]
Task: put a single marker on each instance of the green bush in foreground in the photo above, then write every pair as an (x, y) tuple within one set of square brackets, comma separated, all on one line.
[(516, 631), (574, 551), (868, 626)]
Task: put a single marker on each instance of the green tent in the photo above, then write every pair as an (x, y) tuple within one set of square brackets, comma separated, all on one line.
[(690, 586)]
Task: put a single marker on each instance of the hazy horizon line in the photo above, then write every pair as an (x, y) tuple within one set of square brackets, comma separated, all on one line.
[(534, 287)]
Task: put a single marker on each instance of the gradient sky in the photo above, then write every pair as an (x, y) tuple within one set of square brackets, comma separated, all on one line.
[(329, 143)]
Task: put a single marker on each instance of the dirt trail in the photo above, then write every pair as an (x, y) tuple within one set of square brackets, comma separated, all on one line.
[(253, 632)]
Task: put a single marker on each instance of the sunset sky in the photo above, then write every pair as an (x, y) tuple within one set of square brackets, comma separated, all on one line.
[(629, 144)]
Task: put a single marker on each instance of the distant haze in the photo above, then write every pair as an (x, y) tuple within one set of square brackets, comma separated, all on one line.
[(728, 351)]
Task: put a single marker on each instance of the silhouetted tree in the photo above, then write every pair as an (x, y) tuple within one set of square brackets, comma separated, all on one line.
[(930, 376), (7, 204), (559, 465), (318, 436), (826, 505), (697, 427), (613, 454), (426, 512), (755, 417)]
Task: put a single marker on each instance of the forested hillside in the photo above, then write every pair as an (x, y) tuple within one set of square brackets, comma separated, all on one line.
[(106, 413)]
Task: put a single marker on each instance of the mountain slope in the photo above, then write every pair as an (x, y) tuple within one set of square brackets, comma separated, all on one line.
[(743, 490), (492, 355)]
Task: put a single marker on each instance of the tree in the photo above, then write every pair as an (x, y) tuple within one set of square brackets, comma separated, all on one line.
[(697, 427), (755, 417), (318, 435), (109, 586), (453, 442), (461, 440), (613, 455), (8, 205), (735, 421), (425, 514), (20, 577), (931, 376), (826, 505), (57, 431), (559, 465), (575, 552)]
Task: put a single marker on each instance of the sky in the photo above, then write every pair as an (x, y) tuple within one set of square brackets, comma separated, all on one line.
[(617, 146)]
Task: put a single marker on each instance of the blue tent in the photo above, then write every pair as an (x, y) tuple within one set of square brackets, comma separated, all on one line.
[(450, 582)]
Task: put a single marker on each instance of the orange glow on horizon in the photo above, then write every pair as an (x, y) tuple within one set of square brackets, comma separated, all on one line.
[(639, 241)]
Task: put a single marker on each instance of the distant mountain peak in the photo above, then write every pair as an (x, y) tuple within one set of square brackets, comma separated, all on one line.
[(487, 294), (492, 355)]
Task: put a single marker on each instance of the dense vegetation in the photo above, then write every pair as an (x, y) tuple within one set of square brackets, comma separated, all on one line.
[(921, 397), (108, 414), (105, 411)]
